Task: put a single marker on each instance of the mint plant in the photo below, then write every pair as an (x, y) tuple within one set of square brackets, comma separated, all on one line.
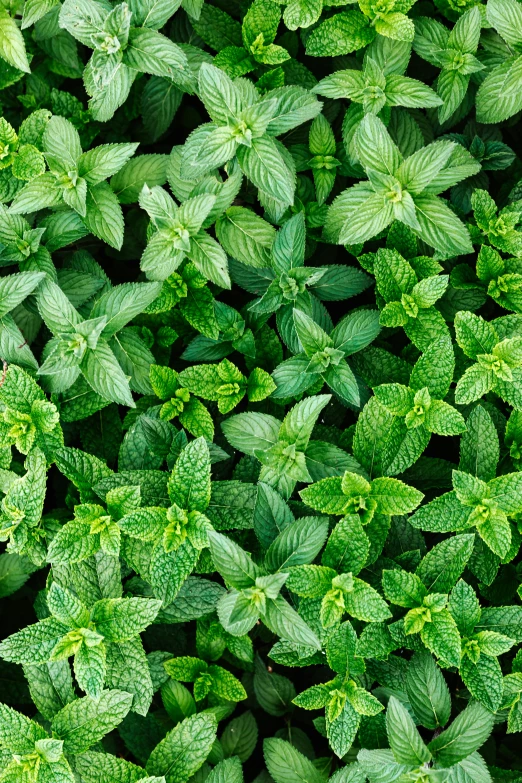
[(246, 127), (73, 630), (178, 402), (481, 649), (255, 594), (279, 446), (178, 235), (400, 189), (125, 41), (408, 751), (408, 301), (91, 346), (420, 405), (496, 364), (319, 156), (258, 31), (323, 358), (284, 284), (77, 180), (453, 53), (475, 503), (24, 159), (206, 679), (30, 420), (37, 754), (344, 700), (500, 276), (497, 230), (173, 538), (495, 102), (427, 614), (260, 391), (378, 86)]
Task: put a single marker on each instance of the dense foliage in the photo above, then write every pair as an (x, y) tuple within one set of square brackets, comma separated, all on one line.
[(251, 530)]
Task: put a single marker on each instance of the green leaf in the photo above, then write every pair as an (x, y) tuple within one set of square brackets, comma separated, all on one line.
[(101, 162), (14, 572), (189, 483), (84, 722), (119, 619), (128, 670), (506, 19), (245, 236), (403, 588), (479, 446), (251, 432), (104, 217), (18, 732), (15, 288), (184, 750), (217, 28), (122, 303), (287, 765), (218, 93), (83, 469), (105, 376), (496, 99), (467, 733), (12, 46), (232, 505), (266, 168), (345, 32), (128, 182), (97, 767), (440, 227), (405, 741), (286, 623), (445, 514), (239, 738), (442, 638), (394, 497), (445, 562), (232, 562), (427, 691), (297, 544), (380, 765), (208, 257), (365, 603), (483, 680), (348, 546), (342, 731), (227, 771), (153, 53)]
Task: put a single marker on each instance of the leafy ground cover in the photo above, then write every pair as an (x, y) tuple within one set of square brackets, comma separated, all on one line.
[(260, 391)]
